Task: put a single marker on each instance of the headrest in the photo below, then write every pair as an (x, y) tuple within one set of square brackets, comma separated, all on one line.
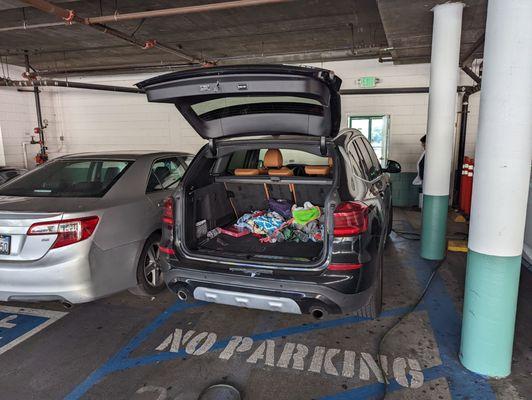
[(281, 172), (110, 174), (246, 172), (321, 170), (162, 173), (273, 159)]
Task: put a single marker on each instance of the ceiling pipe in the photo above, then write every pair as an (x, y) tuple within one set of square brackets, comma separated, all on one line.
[(70, 17), (283, 58), (25, 26), (180, 10), (66, 84)]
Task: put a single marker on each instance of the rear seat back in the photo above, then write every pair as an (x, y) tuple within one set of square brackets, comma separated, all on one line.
[(246, 197)]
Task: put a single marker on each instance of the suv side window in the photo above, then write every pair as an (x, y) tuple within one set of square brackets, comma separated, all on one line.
[(371, 162), (357, 160), (165, 174)]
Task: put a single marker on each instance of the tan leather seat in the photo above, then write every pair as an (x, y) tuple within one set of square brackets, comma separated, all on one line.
[(273, 161), (246, 172), (319, 170)]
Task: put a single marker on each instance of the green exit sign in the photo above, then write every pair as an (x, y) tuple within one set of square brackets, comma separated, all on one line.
[(368, 82)]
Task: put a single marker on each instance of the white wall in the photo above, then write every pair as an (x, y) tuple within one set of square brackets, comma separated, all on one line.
[(94, 121)]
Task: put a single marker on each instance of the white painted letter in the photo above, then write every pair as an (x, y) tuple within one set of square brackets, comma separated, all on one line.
[(348, 369), (174, 340), (399, 371), (317, 359), (237, 343), (266, 350), (328, 365), (367, 364), (416, 373), (298, 356), (192, 346)]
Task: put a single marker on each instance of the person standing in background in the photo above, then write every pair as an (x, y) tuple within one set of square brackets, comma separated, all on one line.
[(418, 180)]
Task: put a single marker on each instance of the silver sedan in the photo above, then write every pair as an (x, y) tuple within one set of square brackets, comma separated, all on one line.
[(85, 226)]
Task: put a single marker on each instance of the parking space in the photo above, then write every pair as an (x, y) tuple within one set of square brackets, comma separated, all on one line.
[(128, 347)]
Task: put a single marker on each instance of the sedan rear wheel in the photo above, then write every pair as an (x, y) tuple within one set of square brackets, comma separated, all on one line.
[(149, 273)]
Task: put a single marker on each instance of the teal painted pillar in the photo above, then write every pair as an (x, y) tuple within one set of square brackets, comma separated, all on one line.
[(500, 190), (440, 127), (434, 227)]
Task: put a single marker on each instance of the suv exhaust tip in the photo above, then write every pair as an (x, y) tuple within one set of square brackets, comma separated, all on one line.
[(318, 312), (184, 294)]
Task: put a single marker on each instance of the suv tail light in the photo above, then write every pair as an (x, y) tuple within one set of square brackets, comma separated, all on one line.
[(68, 231), (168, 225), (350, 219)]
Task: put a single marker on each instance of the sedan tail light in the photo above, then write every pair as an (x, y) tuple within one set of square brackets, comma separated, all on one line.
[(168, 211), (350, 218), (68, 231), (168, 226)]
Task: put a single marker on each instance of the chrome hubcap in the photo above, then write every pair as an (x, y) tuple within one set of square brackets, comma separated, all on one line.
[(152, 271)]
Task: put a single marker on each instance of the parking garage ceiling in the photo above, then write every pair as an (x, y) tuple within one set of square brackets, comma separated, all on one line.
[(294, 31)]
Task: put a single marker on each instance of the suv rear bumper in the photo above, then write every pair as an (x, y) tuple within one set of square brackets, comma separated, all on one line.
[(260, 292)]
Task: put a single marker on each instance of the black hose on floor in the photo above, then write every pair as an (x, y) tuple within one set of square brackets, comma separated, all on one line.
[(404, 316)]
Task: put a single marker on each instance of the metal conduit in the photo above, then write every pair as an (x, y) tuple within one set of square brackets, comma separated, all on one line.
[(65, 84), (180, 10)]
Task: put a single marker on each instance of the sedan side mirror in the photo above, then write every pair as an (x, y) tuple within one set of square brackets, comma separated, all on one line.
[(392, 167)]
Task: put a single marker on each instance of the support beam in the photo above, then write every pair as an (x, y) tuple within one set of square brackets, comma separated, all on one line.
[(440, 127), (500, 190)]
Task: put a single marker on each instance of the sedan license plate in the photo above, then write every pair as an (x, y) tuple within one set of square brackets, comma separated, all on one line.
[(5, 244)]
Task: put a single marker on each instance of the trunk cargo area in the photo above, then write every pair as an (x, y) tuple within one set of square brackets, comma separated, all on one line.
[(221, 204)]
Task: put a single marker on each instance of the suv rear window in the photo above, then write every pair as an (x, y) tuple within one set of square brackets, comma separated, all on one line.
[(224, 107), (68, 178)]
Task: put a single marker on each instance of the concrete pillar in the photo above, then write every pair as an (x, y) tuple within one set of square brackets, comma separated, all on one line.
[(444, 71), (500, 190)]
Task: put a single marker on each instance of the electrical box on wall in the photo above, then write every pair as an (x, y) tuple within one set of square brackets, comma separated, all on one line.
[(367, 82)]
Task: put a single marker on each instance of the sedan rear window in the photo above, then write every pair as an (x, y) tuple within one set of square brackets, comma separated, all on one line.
[(68, 178)]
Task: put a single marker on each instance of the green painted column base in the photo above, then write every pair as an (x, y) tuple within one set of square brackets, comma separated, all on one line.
[(434, 227), (490, 302)]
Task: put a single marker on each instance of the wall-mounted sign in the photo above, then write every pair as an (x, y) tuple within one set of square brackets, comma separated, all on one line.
[(368, 81)]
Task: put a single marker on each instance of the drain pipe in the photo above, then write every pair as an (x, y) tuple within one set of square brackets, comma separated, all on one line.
[(462, 140), (42, 156)]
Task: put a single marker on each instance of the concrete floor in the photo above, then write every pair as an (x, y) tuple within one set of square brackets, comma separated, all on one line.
[(127, 347)]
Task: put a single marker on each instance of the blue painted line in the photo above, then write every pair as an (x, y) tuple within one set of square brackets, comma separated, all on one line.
[(120, 360), (295, 330), (446, 323), (113, 363), (376, 390), (22, 324)]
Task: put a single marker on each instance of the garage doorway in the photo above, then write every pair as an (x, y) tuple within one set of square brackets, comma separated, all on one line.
[(376, 129)]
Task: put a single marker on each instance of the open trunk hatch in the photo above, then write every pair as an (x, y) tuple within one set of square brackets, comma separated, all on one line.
[(252, 100)]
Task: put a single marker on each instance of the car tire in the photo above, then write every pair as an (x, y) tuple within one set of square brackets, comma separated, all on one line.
[(149, 274), (374, 306)]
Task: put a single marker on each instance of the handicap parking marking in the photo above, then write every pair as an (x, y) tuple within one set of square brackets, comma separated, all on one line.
[(18, 324)]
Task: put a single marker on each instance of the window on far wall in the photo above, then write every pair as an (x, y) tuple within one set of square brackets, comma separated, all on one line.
[(375, 129)]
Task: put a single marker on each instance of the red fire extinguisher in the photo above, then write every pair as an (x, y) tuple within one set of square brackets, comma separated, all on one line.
[(469, 186)]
